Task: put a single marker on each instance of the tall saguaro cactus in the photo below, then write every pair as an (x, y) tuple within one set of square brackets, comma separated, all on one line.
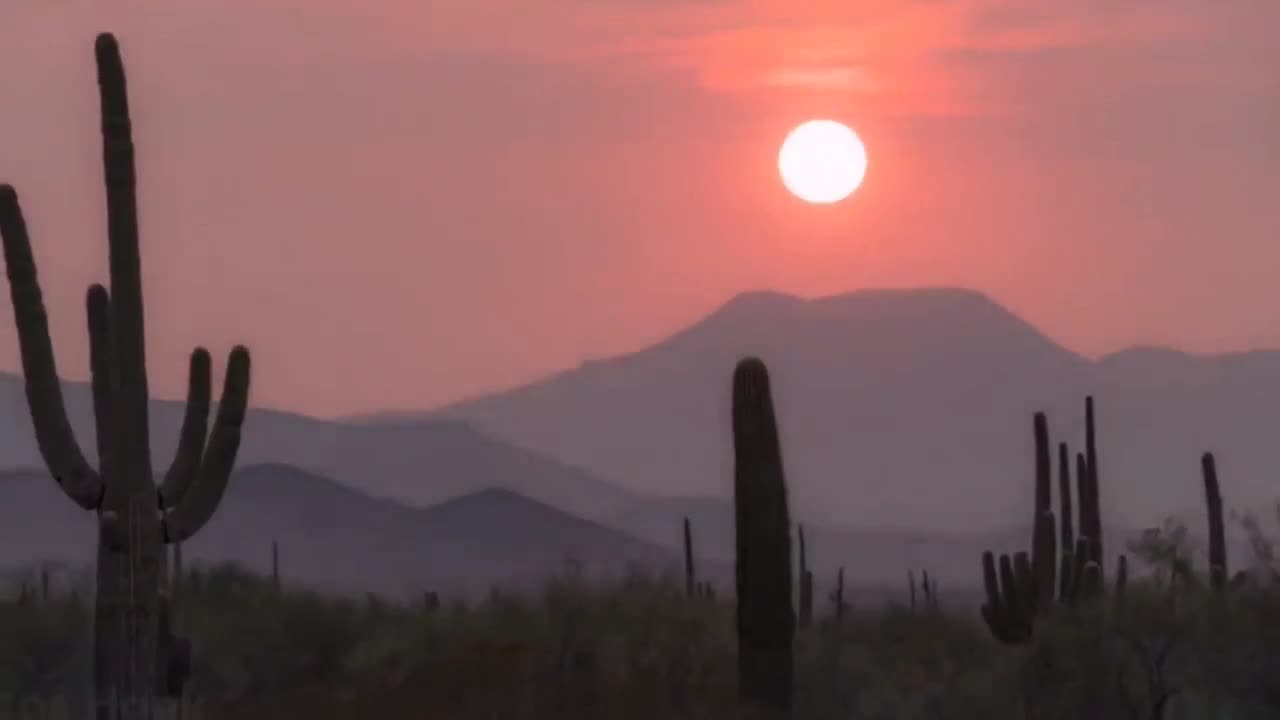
[(1066, 561), (1217, 532), (805, 596), (690, 573), (762, 525), (1091, 516), (136, 516), (1044, 537)]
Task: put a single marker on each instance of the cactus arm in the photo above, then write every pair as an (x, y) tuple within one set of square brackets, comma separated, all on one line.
[(1046, 573), (54, 437), (1043, 535), (1064, 497), (98, 312), (195, 425), (197, 505)]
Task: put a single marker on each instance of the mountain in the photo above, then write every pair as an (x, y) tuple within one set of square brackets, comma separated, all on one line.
[(419, 461), (333, 537), (337, 539), (902, 409)]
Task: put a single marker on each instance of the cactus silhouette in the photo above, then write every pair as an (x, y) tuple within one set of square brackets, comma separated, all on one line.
[(837, 596), (1044, 537), (1066, 563), (1091, 512), (930, 588), (1217, 533), (275, 566), (135, 516), (762, 526), (1014, 597), (806, 583), (690, 574)]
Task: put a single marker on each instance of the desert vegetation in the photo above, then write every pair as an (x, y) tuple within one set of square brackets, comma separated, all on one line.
[(146, 636)]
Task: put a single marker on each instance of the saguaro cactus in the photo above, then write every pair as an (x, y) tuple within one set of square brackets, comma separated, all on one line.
[(1065, 575), (1091, 515), (762, 525), (135, 516), (1217, 532), (806, 583), (837, 595), (1067, 559), (930, 587), (1008, 610), (690, 574), (1044, 538)]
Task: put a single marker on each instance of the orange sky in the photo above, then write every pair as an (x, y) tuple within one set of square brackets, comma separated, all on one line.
[(400, 203)]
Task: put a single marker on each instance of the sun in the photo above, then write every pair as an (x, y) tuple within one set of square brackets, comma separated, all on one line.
[(822, 161)]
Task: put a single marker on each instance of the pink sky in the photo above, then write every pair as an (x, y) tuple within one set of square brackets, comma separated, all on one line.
[(398, 204)]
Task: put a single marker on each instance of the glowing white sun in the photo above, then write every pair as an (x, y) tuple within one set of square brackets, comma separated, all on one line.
[(822, 161)]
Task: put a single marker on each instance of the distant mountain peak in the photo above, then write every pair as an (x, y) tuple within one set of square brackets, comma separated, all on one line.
[(945, 301), (750, 300), (756, 300), (915, 322), (490, 495), (499, 499)]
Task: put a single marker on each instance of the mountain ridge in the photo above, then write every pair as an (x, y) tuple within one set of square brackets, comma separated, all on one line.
[(337, 538), (419, 462), (909, 403)]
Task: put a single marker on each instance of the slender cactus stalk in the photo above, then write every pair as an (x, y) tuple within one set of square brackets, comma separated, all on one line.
[(1066, 560), (806, 583), (1217, 532), (275, 566), (135, 516), (1064, 496), (1044, 539), (1122, 578), (1093, 513), (766, 618), (690, 575), (838, 596)]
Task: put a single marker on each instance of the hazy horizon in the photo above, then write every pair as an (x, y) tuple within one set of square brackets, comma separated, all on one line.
[(486, 201)]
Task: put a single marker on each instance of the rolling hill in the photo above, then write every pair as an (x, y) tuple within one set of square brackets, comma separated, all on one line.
[(335, 538), (419, 462)]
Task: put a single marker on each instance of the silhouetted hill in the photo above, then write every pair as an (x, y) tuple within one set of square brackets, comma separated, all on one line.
[(903, 408), (333, 537), (419, 461)]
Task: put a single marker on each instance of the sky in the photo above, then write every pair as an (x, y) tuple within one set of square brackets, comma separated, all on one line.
[(401, 204)]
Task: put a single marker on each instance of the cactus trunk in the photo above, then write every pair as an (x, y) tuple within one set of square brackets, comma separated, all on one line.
[(690, 576), (1217, 532), (1044, 540), (806, 583), (1093, 513), (839, 594), (1064, 498), (762, 526)]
